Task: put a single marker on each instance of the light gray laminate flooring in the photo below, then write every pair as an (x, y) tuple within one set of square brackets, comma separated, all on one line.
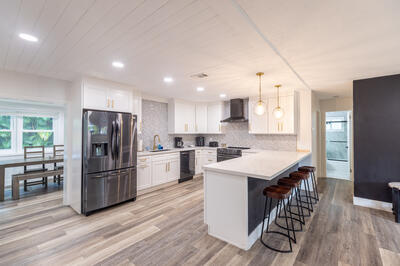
[(165, 227)]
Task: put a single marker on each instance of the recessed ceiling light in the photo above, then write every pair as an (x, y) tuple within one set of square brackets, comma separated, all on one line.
[(222, 95), (168, 79), (28, 37), (200, 89), (118, 64)]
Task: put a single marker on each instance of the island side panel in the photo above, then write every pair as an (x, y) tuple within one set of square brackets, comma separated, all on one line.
[(225, 198), (256, 199)]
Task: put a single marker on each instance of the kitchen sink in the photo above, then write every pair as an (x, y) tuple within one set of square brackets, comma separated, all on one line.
[(160, 150)]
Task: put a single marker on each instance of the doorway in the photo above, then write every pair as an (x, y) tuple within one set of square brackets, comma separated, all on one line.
[(338, 144)]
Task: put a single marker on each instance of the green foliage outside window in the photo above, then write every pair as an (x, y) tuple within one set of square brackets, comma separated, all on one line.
[(5, 140), (5, 136), (38, 123), (5, 122), (36, 137)]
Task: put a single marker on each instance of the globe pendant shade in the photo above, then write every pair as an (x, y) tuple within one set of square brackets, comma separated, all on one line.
[(278, 113), (259, 108)]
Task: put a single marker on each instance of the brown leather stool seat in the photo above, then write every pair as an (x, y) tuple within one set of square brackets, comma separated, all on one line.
[(307, 169), (291, 182), (299, 175), (277, 192)]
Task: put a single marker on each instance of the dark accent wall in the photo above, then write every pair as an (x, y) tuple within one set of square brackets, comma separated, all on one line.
[(376, 136)]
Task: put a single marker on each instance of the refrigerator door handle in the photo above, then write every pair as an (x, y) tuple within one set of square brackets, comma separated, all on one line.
[(118, 139), (112, 139)]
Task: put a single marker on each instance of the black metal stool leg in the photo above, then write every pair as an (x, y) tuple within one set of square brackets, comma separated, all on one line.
[(309, 194), (315, 186), (287, 226)]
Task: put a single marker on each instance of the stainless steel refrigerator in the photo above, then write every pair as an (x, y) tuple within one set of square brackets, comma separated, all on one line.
[(109, 154)]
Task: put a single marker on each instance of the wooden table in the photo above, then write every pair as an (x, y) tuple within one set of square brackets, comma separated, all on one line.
[(23, 162)]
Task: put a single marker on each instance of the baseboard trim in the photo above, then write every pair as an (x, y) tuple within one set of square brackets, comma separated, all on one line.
[(374, 204)]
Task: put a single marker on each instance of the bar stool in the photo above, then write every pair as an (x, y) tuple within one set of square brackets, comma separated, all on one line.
[(280, 193), (303, 178), (295, 187), (311, 171)]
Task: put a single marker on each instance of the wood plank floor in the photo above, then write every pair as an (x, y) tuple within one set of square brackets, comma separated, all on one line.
[(165, 227)]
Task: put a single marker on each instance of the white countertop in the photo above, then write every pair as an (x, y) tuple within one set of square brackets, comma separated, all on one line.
[(263, 164), (149, 153)]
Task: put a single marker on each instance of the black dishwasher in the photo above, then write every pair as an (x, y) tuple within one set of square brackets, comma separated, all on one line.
[(187, 165)]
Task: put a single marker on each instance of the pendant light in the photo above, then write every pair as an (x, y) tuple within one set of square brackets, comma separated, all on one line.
[(260, 107), (278, 111)]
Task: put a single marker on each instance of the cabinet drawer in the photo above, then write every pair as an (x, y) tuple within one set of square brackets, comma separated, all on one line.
[(146, 159), (165, 157), (210, 159)]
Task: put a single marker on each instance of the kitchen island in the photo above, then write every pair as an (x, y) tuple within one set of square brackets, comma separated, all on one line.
[(233, 199)]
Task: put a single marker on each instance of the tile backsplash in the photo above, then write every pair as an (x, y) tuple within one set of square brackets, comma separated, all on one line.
[(155, 121)]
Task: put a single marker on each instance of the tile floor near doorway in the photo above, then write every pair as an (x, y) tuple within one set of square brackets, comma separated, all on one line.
[(338, 169), (166, 227)]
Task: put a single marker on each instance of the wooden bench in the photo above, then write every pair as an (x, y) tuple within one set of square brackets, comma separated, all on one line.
[(26, 176)]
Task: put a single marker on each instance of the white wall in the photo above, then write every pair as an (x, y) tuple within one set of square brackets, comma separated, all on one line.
[(33, 93), (316, 131), (304, 135), (332, 105), (20, 86)]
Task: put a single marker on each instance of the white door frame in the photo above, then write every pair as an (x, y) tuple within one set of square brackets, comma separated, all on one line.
[(323, 143)]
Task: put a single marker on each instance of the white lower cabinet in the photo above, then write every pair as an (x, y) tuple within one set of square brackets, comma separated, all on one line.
[(204, 157), (164, 168), (144, 173), (174, 169), (159, 172)]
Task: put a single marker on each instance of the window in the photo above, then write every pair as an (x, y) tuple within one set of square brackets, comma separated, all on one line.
[(335, 124), (5, 132), (37, 131), (21, 130)]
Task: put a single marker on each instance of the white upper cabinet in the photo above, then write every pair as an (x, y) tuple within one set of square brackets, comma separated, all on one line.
[(288, 123), (201, 118), (181, 117), (194, 118), (214, 117), (95, 97), (103, 98), (120, 100), (258, 124)]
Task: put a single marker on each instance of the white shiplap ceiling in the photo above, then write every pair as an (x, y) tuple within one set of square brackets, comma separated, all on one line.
[(320, 45)]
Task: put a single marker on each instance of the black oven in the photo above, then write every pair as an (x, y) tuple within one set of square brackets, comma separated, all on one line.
[(228, 153)]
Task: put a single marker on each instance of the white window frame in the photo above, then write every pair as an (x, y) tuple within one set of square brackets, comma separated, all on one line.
[(17, 133), (12, 130)]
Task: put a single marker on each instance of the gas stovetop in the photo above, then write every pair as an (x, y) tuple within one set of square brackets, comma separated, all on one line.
[(231, 150), (238, 148)]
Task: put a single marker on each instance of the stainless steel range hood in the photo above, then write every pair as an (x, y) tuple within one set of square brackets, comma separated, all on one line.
[(236, 111)]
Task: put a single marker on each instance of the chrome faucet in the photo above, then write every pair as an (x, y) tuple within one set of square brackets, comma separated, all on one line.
[(154, 141)]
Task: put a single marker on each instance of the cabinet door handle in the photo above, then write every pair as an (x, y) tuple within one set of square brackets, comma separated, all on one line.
[(166, 167), (142, 160), (140, 125), (112, 103), (108, 102), (196, 161), (169, 166)]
